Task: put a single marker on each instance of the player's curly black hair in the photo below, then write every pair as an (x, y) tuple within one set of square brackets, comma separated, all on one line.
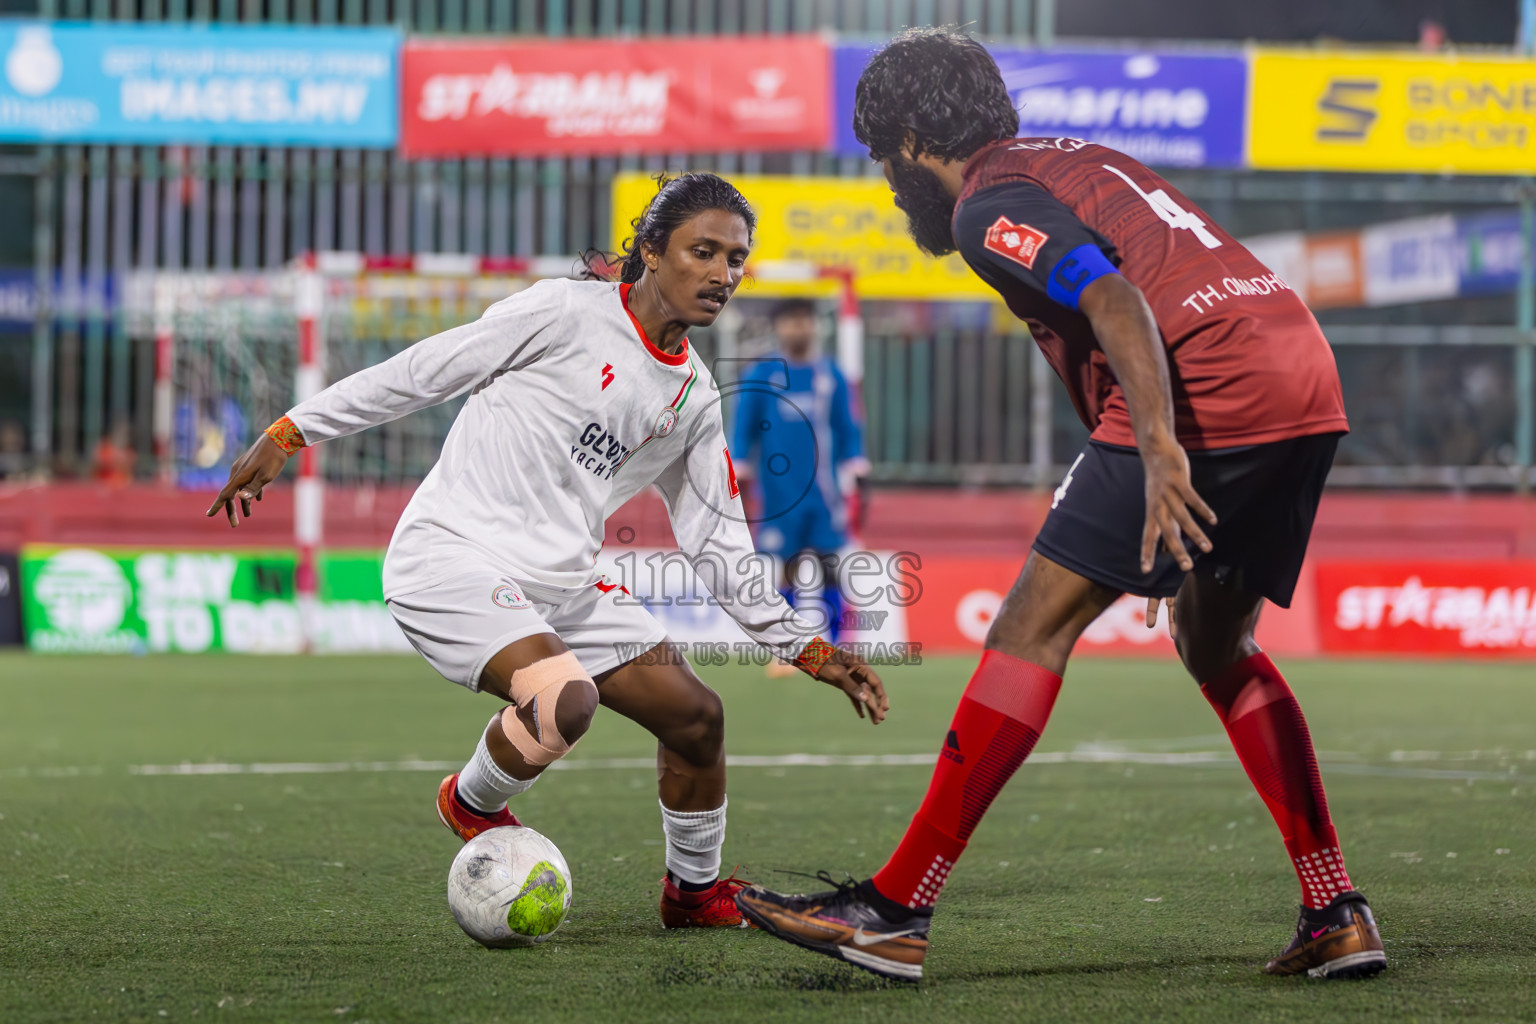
[(940, 85), (675, 202)]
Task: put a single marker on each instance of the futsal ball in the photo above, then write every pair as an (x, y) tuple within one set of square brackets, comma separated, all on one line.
[(509, 886)]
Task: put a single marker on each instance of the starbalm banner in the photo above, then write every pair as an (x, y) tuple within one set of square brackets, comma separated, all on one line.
[(1466, 609), (511, 97)]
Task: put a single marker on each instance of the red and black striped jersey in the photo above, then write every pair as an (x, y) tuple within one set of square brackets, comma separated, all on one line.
[(1039, 219)]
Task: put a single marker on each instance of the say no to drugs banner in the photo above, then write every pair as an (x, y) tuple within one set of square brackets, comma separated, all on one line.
[(129, 601)]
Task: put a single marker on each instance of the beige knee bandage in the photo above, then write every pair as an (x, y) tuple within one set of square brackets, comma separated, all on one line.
[(540, 685)]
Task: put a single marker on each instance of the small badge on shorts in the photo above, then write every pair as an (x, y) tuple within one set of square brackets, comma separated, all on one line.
[(665, 423), (508, 596)]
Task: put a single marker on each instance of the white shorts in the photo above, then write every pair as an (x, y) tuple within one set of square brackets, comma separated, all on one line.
[(460, 625)]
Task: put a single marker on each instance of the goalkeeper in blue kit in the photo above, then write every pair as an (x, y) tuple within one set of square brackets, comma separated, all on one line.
[(798, 439)]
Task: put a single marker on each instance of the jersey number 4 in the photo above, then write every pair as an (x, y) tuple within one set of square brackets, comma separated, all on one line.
[(1174, 215)]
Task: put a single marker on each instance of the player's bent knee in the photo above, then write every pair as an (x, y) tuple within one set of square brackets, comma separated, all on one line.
[(710, 718), (575, 708), (560, 698), (1206, 657)]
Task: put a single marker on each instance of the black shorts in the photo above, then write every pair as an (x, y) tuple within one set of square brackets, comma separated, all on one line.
[(1265, 497)]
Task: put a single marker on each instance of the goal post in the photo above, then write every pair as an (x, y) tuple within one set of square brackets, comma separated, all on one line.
[(231, 351)]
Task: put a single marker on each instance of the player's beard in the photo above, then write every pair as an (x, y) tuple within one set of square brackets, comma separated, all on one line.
[(927, 203)]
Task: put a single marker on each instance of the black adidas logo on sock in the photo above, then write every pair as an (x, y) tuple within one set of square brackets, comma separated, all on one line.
[(952, 748)]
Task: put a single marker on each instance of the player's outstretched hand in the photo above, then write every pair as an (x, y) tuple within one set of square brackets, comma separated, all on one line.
[(1170, 497), (848, 673), (259, 466)]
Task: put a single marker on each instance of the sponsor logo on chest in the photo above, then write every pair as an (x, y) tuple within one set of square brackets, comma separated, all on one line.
[(598, 451)]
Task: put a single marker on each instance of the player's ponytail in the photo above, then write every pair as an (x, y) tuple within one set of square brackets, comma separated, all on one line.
[(676, 201)]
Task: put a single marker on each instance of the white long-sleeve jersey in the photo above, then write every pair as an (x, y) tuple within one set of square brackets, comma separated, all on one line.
[(571, 412)]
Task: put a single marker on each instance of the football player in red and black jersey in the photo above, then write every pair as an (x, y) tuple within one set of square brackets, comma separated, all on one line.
[(1215, 409)]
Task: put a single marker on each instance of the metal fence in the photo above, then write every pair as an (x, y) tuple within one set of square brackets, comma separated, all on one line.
[(1432, 408), (958, 401), (945, 404)]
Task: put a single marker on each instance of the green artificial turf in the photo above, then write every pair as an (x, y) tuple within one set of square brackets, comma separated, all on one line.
[(1096, 891)]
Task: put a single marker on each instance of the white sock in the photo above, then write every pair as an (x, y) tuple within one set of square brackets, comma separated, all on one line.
[(694, 839), (483, 786)]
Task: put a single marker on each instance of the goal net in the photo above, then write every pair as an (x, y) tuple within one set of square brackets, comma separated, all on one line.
[(229, 346)]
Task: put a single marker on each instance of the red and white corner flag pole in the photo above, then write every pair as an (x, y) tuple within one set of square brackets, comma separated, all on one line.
[(850, 359), (850, 331), (162, 410), (308, 494)]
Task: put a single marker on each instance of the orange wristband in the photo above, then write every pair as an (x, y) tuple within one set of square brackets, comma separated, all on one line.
[(285, 435), (815, 655)]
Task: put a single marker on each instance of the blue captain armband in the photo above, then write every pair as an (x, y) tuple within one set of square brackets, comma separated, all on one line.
[(1076, 271)]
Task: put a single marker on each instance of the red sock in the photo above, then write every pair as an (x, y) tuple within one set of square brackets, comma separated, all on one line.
[(1275, 748), (1001, 715)]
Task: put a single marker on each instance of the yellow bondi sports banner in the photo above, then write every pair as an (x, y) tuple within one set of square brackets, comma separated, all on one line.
[(1361, 111), (834, 222)]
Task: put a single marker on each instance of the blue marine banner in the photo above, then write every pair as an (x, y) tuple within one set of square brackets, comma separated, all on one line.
[(1164, 109), (136, 83)]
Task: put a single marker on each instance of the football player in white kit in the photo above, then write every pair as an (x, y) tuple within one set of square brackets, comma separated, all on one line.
[(581, 393)]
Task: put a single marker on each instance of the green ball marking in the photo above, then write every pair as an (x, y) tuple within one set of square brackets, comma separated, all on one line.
[(540, 907)]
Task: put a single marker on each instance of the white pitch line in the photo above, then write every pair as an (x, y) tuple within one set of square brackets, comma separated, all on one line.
[(733, 761), (291, 767), (50, 772), (1448, 774), (577, 764), (1085, 755)]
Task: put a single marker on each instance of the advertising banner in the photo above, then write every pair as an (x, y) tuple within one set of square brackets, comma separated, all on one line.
[(1420, 259), (1335, 271), (74, 300), (1482, 609), (1410, 260), (1365, 111), (139, 83), (119, 601), (572, 97), (10, 599), (841, 222), (1489, 248), (899, 605), (1164, 109), (1325, 269), (960, 597)]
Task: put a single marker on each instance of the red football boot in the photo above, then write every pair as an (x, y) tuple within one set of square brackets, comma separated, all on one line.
[(714, 907), (462, 821)]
